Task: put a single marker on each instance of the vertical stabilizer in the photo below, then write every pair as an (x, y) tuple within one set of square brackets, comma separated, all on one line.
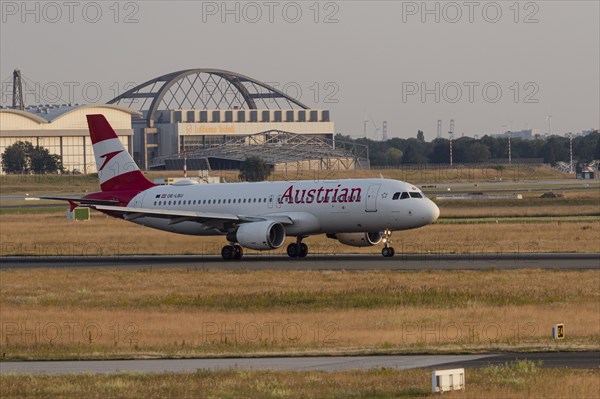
[(117, 170)]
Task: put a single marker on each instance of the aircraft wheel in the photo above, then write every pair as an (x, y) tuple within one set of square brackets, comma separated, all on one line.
[(303, 250), (293, 250), (228, 252), (238, 252), (388, 252)]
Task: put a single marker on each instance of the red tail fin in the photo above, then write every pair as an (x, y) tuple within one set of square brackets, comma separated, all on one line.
[(116, 169)]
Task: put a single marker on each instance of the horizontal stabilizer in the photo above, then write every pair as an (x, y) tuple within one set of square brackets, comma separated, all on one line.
[(83, 201)]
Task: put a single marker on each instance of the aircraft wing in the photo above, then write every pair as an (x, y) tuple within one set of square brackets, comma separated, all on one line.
[(79, 199), (210, 219)]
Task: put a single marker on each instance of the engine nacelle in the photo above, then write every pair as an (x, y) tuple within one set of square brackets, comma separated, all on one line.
[(260, 235), (359, 239)]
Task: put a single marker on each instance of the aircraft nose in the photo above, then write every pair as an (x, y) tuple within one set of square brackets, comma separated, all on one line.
[(434, 211)]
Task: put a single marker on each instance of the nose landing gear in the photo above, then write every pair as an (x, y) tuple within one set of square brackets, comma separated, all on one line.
[(387, 251)]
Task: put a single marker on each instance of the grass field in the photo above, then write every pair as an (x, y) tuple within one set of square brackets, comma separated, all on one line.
[(513, 380), (85, 313)]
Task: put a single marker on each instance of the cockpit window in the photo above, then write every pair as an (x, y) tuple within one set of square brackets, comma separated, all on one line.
[(396, 196), (416, 195), (404, 196)]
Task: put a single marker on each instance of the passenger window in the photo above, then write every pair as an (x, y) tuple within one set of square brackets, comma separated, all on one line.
[(396, 196), (416, 195)]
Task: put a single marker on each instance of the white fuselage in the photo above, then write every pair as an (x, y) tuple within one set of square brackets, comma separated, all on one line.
[(315, 207)]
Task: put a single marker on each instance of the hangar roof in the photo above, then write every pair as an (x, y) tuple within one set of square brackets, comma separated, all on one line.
[(204, 89)]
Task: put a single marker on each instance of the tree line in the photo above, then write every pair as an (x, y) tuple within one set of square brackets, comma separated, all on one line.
[(23, 157), (552, 149)]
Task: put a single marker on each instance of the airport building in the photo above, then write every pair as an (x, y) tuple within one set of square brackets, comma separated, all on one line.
[(214, 119), (63, 130), (203, 118)]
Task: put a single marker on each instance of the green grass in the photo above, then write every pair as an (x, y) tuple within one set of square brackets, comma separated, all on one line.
[(297, 301), (28, 210)]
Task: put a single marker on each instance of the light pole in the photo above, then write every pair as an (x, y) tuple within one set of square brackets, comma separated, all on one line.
[(571, 151), (509, 150), (451, 137)]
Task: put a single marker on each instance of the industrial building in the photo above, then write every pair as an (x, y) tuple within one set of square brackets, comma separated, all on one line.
[(216, 118), (63, 130)]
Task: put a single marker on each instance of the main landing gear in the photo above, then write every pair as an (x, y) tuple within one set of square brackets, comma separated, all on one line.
[(232, 252), (297, 249), (387, 251)]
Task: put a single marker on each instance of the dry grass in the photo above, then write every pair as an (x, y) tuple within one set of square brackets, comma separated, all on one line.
[(52, 314), (102, 235), (451, 211), (518, 380)]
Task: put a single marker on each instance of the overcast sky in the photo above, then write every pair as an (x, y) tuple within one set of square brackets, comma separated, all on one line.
[(490, 66)]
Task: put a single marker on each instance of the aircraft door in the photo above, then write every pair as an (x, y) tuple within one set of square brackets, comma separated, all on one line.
[(371, 200)]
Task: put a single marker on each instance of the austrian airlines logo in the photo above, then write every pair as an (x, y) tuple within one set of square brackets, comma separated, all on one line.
[(107, 157), (321, 195)]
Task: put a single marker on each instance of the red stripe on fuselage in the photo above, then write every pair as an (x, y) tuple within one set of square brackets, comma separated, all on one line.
[(130, 181)]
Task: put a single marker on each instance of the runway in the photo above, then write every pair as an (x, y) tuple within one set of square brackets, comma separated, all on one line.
[(489, 261), (588, 360)]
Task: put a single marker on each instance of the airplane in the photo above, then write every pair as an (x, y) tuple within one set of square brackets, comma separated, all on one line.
[(356, 212)]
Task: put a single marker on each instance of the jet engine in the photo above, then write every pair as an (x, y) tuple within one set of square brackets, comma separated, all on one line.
[(358, 239), (259, 235)]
